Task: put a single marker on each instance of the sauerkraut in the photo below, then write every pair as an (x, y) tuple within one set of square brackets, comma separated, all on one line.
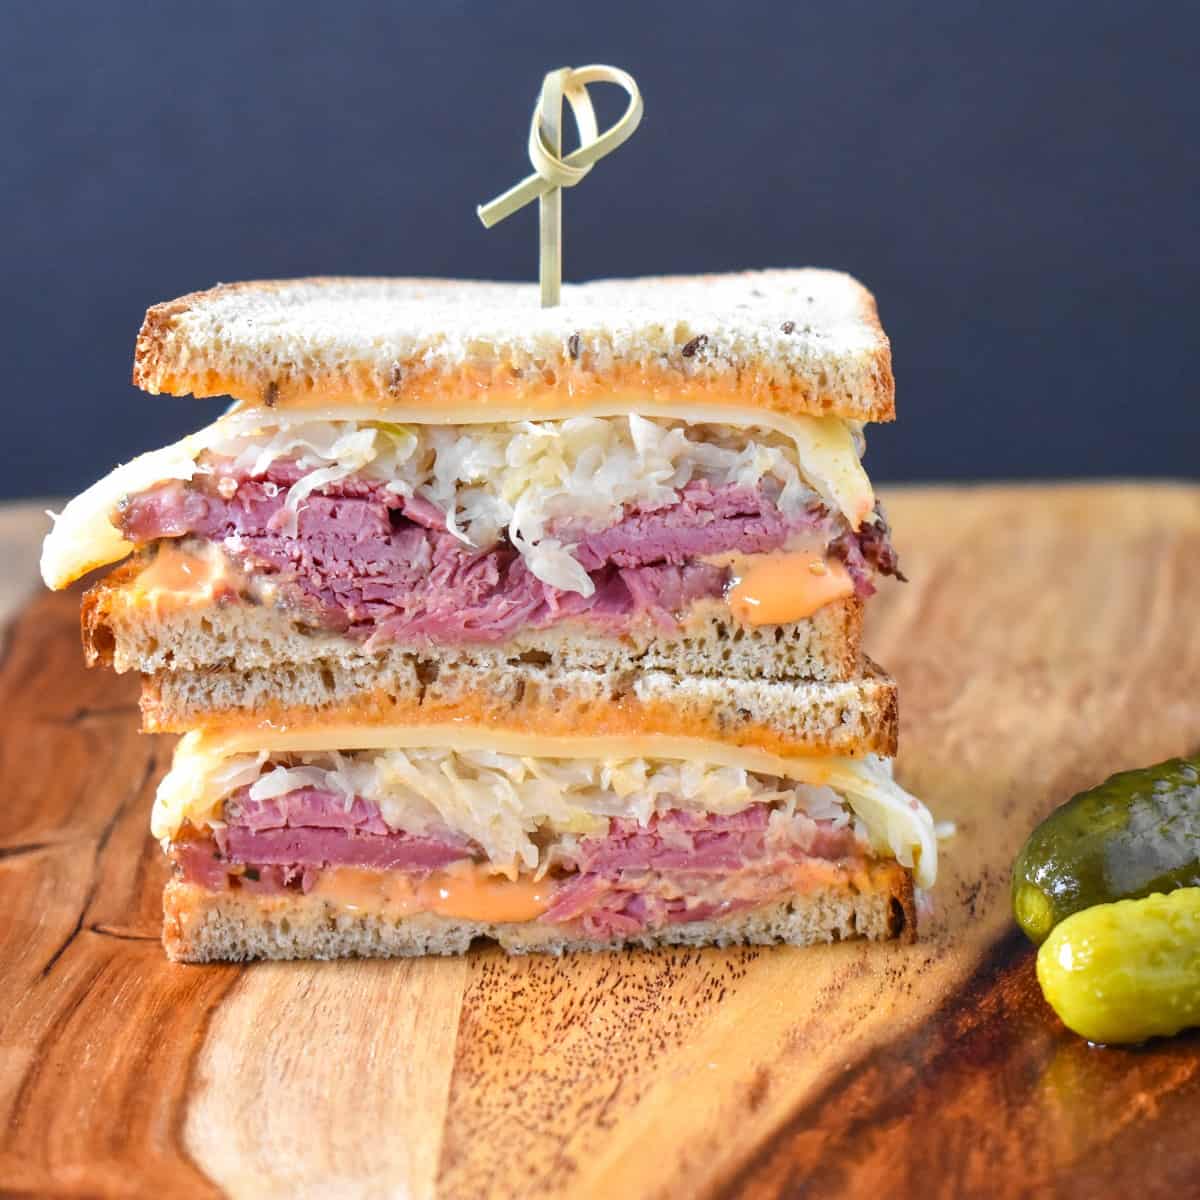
[(526, 478), (510, 803)]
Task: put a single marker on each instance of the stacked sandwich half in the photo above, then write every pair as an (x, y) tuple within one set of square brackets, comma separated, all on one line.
[(480, 619)]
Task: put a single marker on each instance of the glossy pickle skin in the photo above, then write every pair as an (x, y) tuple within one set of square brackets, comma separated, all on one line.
[(1134, 835), (1127, 971)]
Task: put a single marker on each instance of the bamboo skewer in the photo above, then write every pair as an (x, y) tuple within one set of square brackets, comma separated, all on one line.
[(551, 171)]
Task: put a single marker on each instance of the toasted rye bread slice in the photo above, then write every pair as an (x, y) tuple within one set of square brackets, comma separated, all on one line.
[(853, 717), (787, 342), (125, 630), (234, 926)]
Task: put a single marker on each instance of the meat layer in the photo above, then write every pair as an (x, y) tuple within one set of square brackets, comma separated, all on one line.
[(677, 868), (367, 562)]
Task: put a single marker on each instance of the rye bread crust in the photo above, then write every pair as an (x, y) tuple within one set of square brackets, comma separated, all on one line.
[(852, 718), (790, 342), (238, 926), (123, 630)]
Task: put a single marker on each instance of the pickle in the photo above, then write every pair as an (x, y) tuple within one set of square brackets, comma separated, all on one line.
[(1136, 834), (1127, 971)]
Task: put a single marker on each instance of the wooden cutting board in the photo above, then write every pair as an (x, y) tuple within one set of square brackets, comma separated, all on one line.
[(1048, 637)]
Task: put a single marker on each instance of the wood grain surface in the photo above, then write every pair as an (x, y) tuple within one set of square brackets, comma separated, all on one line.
[(1047, 638)]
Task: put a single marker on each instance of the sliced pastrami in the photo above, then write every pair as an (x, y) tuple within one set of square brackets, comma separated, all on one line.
[(335, 847), (366, 561), (868, 551), (311, 827), (376, 564), (679, 867), (703, 521), (199, 860), (683, 841), (603, 911), (306, 807), (683, 867), (168, 510)]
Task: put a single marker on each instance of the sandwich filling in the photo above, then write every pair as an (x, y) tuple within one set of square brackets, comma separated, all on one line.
[(601, 847), (470, 533)]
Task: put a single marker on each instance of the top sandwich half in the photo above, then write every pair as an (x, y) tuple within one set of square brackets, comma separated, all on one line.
[(663, 472)]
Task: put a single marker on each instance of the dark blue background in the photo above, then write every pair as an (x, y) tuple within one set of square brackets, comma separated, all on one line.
[(1017, 182)]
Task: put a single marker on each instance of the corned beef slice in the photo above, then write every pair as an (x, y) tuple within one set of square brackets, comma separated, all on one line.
[(680, 867), (702, 521), (686, 867), (311, 827), (367, 561)]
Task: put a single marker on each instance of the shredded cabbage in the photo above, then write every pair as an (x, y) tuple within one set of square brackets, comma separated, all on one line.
[(896, 821), (509, 803), (524, 477), (527, 478)]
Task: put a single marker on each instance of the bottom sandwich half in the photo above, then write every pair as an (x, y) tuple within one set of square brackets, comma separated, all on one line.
[(397, 840)]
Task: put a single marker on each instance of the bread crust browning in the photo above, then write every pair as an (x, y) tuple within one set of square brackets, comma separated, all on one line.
[(126, 630), (99, 626), (787, 719), (531, 372), (203, 926)]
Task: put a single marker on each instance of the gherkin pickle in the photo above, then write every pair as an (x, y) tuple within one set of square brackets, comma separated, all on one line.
[(1127, 971), (1135, 834)]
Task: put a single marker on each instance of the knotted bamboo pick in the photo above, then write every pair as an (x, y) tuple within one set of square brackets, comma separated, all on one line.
[(552, 172)]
